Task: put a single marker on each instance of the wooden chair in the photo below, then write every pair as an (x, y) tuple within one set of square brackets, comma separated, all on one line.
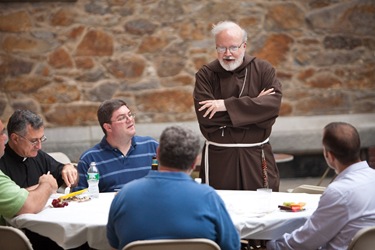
[(364, 239), (60, 157), (309, 189), (173, 244), (64, 159), (13, 238)]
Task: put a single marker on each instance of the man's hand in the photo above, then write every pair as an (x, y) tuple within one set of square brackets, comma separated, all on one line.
[(266, 92), (48, 179), (70, 175), (212, 107)]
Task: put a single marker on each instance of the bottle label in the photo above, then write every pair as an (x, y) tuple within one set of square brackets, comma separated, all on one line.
[(155, 164), (93, 177), (154, 161)]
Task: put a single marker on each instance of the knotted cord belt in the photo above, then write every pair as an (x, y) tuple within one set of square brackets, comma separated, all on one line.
[(235, 145)]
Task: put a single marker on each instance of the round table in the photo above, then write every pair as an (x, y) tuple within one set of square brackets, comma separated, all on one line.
[(280, 158)]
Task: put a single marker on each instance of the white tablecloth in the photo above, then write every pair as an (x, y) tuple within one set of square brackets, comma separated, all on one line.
[(255, 215), (73, 225)]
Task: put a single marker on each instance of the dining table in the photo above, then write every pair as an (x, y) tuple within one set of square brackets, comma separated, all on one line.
[(255, 214)]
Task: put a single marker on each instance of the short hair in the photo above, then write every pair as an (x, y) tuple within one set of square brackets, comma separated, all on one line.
[(106, 109), (343, 141), (227, 25), (20, 119), (178, 147)]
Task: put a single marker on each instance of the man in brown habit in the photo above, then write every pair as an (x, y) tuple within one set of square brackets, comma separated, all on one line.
[(237, 99)]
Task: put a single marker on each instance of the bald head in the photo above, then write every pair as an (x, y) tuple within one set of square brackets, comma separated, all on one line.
[(343, 141)]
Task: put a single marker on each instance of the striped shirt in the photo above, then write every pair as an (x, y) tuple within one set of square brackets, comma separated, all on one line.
[(116, 169)]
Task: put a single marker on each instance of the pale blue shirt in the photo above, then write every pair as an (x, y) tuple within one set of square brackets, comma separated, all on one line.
[(347, 205)]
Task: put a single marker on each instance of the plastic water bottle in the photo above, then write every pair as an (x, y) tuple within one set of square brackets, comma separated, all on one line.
[(93, 180)]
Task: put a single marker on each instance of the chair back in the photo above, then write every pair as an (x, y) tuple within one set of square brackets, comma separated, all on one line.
[(13, 238), (364, 239), (60, 157), (64, 159), (173, 244), (309, 189)]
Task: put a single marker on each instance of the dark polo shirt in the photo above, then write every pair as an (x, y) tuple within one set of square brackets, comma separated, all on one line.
[(26, 171)]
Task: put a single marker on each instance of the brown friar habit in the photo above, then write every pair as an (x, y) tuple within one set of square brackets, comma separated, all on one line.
[(248, 120)]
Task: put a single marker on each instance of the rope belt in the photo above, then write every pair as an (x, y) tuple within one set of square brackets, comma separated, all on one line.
[(226, 145)]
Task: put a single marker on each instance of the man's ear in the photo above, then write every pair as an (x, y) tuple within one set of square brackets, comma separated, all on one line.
[(14, 137), (157, 153), (329, 156), (107, 126), (196, 162)]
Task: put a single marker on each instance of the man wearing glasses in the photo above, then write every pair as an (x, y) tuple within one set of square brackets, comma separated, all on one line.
[(24, 161), (120, 156), (15, 200), (237, 99)]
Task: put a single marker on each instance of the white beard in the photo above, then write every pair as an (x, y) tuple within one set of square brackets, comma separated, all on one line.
[(230, 66)]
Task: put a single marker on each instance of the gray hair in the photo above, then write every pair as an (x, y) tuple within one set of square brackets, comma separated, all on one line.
[(227, 25), (20, 119), (178, 147)]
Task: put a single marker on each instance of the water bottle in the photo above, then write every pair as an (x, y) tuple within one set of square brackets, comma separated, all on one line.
[(155, 163), (93, 180)]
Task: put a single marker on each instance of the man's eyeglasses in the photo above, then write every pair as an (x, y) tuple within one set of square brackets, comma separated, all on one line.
[(124, 117), (231, 48), (3, 132), (34, 142)]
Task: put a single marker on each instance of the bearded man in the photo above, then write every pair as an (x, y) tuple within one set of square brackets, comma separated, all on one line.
[(237, 100)]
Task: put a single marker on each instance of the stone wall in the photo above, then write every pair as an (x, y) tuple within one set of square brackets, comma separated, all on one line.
[(61, 59)]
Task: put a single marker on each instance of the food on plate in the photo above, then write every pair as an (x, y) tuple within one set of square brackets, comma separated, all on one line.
[(81, 197), (59, 203), (293, 206)]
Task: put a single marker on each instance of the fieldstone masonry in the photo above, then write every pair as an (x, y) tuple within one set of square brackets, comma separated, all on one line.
[(62, 59)]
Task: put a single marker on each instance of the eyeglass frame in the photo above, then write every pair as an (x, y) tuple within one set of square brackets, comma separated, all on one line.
[(231, 48), (124, 117), (3, 132), (34, 143)]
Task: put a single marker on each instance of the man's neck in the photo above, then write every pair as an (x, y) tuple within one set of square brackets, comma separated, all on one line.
[(14, 148), (342, 167), (123, 145), (175, 170)]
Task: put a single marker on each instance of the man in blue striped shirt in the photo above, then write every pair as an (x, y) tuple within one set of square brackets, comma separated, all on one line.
[(120, 156)]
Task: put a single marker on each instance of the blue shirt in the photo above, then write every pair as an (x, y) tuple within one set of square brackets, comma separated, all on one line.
[(169, 205), (346, 206), (116, 169)]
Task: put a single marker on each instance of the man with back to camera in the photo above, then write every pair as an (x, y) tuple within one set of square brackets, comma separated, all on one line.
[(237, 100), (347, 205), (15, 200), (169, 204), (121, 156)]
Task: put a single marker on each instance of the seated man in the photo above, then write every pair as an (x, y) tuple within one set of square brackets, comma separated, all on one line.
[(121, 156), (347, 204), (169, 204), (24, 161), (15, 200)]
